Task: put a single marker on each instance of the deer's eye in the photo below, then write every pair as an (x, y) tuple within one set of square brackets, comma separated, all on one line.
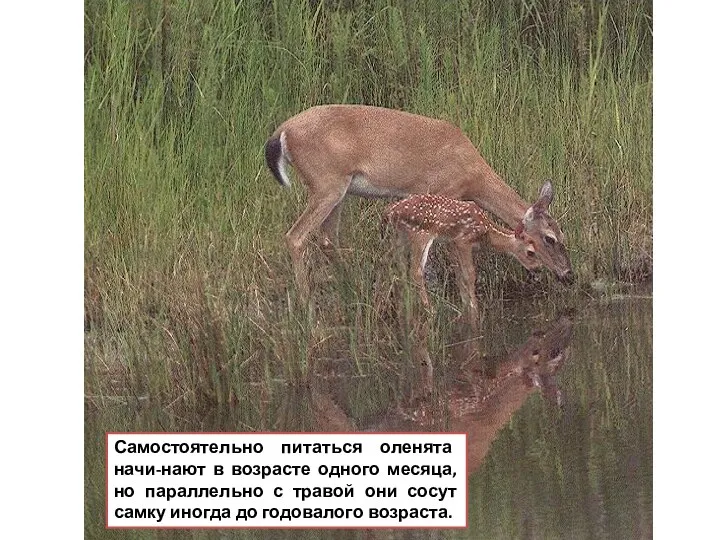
[(549, 240)]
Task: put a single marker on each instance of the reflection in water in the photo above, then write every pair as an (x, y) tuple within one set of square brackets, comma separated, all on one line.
[(480, 399), (558, 416)]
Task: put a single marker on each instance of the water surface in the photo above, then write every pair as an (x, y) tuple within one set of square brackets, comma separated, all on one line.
[(557, 407)]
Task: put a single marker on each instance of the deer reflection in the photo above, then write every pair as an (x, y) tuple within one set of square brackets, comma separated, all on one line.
[(479, 397)]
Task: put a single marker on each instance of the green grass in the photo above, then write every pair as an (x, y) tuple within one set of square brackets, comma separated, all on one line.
[(189, 293)]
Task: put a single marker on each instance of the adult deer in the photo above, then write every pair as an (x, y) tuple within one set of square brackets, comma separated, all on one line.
[(424, 218), (378, 152)]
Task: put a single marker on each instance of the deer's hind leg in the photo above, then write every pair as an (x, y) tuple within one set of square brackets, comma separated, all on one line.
[(321, 203), (329, 233)]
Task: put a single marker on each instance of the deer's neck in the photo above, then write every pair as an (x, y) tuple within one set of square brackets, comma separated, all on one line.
[(499, 198), (495, 411)]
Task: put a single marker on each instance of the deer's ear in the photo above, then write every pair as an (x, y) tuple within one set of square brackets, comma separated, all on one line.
[(546, 197)]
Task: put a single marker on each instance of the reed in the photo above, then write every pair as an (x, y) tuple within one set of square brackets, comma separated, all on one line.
[(188, 289)]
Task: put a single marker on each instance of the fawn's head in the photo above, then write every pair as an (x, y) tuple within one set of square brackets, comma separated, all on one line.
[(524, 251)]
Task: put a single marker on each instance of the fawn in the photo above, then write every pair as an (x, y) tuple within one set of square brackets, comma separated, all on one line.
[(426, 217)]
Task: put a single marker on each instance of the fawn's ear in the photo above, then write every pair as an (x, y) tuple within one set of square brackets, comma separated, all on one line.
[(528, 217)]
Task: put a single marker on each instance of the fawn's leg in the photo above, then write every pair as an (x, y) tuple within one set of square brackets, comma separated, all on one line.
[(466, 275), (419, 248)]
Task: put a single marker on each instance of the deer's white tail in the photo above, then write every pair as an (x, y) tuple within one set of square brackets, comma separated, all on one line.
[(277, 158)]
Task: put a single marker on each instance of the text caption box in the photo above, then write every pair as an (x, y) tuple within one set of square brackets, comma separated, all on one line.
[(309, 480)]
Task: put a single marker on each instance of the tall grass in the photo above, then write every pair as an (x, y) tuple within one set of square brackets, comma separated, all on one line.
[(188, 284)]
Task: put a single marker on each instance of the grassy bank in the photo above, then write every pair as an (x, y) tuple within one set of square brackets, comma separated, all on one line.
[(188, 285)]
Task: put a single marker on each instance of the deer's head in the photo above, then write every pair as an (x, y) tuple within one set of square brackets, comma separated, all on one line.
[(541, 231), (543, 354)]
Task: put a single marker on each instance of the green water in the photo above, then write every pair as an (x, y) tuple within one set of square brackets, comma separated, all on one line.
[(557, 407)]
